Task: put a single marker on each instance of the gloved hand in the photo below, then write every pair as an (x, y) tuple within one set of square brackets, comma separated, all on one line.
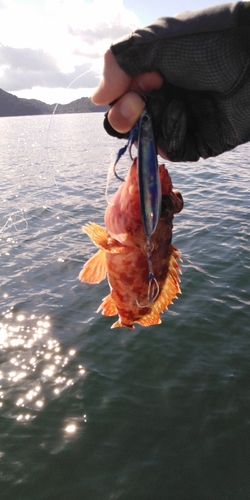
[(203, 107)]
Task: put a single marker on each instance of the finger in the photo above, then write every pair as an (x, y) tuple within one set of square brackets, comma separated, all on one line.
[(162, 152), (146, 82), (124, 113), (114, 84), (127, 110)]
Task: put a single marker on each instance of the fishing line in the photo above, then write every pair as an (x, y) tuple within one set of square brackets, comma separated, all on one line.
[(109, 176), (52, 116), (133, 135), (14, 219), (75, 79), (112, 168)]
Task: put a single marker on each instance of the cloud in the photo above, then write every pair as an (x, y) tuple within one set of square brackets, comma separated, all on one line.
[(27, 59), (85, 55), (52, 42), (27, 68), (103, 31), (16, 80)]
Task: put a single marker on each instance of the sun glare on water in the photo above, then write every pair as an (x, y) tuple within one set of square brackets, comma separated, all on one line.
[(36, 367)]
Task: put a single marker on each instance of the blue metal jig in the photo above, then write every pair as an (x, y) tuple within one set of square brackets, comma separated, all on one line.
[(150, 194), (148, 176)]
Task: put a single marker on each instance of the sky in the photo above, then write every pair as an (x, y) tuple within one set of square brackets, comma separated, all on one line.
[(52, 50)]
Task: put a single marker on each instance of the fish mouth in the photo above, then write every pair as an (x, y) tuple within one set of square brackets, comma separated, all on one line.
[(171, 204)]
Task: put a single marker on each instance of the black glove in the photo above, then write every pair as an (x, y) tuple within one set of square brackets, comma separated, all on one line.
[(203, 107)]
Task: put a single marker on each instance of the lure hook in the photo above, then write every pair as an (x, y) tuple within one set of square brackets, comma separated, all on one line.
[(131, 139), (152, 296), (153, 285)]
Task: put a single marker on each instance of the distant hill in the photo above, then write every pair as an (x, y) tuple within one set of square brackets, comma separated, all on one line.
[(11, 105)]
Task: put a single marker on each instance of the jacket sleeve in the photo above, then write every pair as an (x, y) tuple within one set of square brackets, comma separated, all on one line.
[(203, 108)]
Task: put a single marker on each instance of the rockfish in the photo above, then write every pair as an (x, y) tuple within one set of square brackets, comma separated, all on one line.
[(123, 255)]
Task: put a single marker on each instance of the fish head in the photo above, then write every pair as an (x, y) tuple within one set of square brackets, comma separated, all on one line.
[(123, 217)]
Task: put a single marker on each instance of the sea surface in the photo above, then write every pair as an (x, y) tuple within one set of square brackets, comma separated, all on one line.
[(90, 413)]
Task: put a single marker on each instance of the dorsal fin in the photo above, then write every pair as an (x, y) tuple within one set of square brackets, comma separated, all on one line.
[(170, 286)]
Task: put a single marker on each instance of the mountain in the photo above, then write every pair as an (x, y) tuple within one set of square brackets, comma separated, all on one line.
[(11, 105)]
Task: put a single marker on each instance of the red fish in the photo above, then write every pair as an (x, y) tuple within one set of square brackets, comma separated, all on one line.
[(122, 255)]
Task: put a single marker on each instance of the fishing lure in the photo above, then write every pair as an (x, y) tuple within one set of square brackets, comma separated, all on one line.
[(149, 189), (149, 192), (148, 176)]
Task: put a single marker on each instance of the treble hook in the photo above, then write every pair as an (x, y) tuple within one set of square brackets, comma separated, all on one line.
[(152, 281), (151, 298)]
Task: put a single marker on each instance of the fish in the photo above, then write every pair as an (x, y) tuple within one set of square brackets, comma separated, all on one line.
[(122, 255)]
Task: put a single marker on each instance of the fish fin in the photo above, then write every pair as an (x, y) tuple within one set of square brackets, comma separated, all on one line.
[(97, 234), (118, 324), (152, 318), (170, 287), (108, 306), (169, 292), (95, 269)]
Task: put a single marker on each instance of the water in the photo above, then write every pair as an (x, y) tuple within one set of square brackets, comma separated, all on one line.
[(97, 414)]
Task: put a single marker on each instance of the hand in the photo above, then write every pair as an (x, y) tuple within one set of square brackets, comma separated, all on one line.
[(194, 71)]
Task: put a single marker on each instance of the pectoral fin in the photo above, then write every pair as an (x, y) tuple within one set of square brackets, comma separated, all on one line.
[(95, 269), (99, 236)]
